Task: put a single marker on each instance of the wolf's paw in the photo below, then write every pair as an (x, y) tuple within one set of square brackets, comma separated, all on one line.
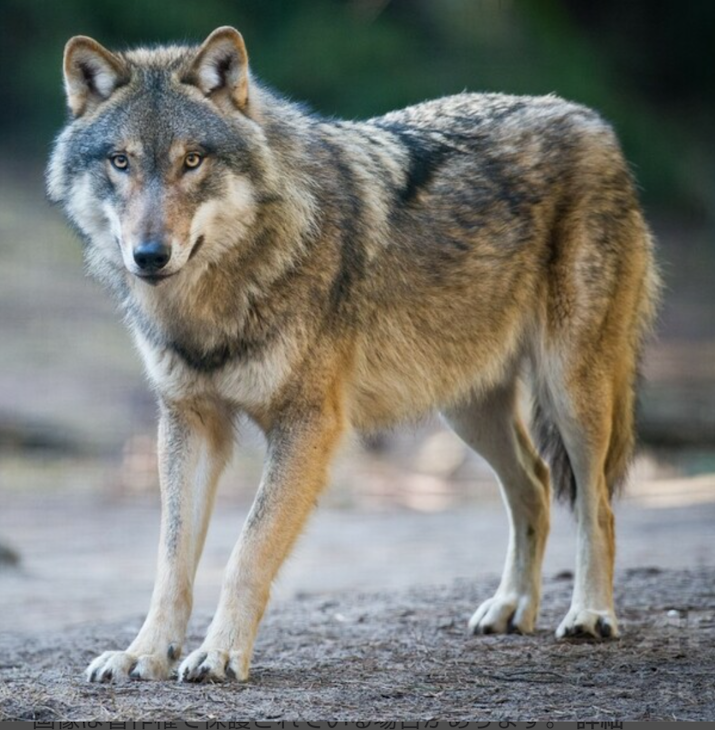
[(511, 614), (117, 666), (213, 665), (584, 623)]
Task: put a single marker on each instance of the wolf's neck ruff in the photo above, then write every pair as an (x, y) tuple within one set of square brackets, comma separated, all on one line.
[(224, 312)]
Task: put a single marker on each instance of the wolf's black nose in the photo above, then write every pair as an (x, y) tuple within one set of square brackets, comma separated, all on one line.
[(152, 256)]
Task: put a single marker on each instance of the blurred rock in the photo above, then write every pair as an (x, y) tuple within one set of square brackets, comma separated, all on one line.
[(8, 557)]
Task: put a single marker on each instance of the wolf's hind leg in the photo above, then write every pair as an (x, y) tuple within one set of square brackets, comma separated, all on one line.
[(594, 426), (587, 398), (194, 445), (492, 427)]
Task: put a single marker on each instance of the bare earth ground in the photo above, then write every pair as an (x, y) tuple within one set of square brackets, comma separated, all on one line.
[(368, 618), (403, 655)]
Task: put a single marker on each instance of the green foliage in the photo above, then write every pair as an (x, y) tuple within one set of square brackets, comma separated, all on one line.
[(646, 66)]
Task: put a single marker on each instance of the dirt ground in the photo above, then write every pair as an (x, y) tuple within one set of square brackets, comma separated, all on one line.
[(359, 627), (406, 655)]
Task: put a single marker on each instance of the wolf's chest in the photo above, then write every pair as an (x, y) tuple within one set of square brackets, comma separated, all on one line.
[(242, 379)]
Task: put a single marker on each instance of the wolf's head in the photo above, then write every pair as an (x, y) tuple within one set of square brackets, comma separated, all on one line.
[(161, 163)]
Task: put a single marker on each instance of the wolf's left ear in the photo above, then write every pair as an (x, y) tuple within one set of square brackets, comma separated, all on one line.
[(92, 73), (220, 68)]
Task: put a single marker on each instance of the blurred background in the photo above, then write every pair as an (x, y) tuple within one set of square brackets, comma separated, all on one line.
[(78, 487)]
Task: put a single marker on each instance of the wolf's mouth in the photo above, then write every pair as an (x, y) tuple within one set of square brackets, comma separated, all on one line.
[(199, 243), (153, 279)]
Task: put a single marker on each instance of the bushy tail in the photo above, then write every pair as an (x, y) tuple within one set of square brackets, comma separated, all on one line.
[(622, 446)]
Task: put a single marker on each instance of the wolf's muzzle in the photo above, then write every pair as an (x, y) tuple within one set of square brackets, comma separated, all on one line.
[(151, 256)]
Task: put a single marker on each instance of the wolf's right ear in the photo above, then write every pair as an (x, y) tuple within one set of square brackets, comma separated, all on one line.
[(91, 72)]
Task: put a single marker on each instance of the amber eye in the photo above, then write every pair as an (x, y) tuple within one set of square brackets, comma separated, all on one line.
[(119, 162), (192, 160)]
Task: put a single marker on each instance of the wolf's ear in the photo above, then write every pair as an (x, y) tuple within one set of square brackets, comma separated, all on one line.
[(92, 73), (220, 68)]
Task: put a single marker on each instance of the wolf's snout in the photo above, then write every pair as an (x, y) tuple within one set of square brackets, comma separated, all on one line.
[(152, 256)]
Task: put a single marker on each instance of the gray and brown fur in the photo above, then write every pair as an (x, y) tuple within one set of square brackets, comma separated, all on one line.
[(327, 275)]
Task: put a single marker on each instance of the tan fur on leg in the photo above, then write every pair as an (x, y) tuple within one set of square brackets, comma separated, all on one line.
[(299, 450), (194, 444)]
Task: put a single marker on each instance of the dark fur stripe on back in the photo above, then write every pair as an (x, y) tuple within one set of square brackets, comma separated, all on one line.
[(425, 159)]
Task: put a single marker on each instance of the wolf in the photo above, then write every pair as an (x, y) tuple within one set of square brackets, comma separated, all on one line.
[(319, 275)]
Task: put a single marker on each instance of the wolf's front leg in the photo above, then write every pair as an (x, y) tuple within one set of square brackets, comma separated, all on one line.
[(194, 444), (295, 473)]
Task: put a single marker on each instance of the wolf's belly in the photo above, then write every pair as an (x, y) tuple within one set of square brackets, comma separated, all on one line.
[(402, 381)]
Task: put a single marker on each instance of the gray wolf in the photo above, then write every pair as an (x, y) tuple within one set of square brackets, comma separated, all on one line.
[(321, 275)]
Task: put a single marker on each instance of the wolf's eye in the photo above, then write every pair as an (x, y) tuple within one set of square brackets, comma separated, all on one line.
[(192, 160), (120, 162)]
